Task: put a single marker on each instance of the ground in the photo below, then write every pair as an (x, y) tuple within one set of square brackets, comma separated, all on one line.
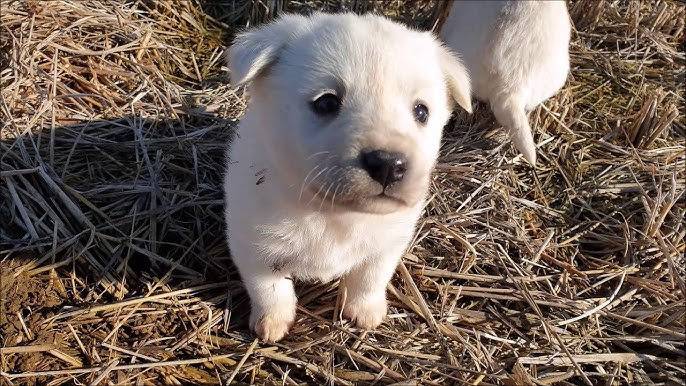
[(114, 268)]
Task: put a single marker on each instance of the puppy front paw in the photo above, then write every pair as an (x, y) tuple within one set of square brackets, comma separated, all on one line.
[(366, 312), (273, 323)]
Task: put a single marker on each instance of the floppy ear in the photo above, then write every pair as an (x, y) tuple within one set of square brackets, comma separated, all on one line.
[(457, 78), (252, 52)]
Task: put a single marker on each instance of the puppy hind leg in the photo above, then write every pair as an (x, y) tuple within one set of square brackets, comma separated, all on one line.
[(509, 111)]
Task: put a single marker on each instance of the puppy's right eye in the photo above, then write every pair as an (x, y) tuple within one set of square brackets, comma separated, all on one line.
[(326, 104)]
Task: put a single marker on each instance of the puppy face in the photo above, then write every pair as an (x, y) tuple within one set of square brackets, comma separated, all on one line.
[(352, 107)]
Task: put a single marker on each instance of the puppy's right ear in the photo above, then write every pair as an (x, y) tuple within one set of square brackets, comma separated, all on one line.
[(252, 52)]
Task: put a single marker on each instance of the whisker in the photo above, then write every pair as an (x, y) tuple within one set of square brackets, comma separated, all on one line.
[(335, 191), (321, 204), (322, 186), (316, 154), (302, 186)]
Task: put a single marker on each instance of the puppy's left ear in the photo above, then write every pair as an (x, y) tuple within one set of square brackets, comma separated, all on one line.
[(254, 51), (457, 78)]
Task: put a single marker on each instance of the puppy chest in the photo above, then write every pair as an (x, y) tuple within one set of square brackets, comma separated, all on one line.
[(317, 250)]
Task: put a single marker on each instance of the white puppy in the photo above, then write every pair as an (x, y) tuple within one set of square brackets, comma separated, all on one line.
[(517, 53), (331, 165)]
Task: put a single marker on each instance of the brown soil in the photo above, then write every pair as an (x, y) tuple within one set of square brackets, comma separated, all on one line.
[(32, 299)]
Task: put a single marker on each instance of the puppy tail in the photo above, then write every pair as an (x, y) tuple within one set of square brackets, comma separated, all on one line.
[(510, 113)]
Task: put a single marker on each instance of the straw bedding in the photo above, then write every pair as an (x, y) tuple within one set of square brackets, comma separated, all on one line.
[(114, 268)]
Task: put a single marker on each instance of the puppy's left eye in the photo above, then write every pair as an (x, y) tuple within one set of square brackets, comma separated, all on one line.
[(421, 113), (326, 104)]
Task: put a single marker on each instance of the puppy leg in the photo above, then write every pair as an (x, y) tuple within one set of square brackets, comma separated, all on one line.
[(365, 287), (510, 113), (273, 303)]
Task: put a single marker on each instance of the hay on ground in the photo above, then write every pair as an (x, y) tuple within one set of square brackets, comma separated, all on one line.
[(114, 269)]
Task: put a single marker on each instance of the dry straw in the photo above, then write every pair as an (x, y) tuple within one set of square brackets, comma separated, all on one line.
[(114, 270)]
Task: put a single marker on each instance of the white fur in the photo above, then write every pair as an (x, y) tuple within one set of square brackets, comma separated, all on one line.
[(517, 53), (298, 204)]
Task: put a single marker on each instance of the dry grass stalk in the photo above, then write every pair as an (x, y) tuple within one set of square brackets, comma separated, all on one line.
[(113, 268)]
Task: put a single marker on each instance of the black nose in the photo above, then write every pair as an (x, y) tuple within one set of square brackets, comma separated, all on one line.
[(384, 167)]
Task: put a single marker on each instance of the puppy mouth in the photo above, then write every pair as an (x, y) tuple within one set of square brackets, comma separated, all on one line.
[(342, 201), (382, 203), (354, 191), (364, 203), (387, 197)]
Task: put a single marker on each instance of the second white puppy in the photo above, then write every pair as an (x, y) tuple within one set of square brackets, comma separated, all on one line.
[(331, 164), (517, 53)]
